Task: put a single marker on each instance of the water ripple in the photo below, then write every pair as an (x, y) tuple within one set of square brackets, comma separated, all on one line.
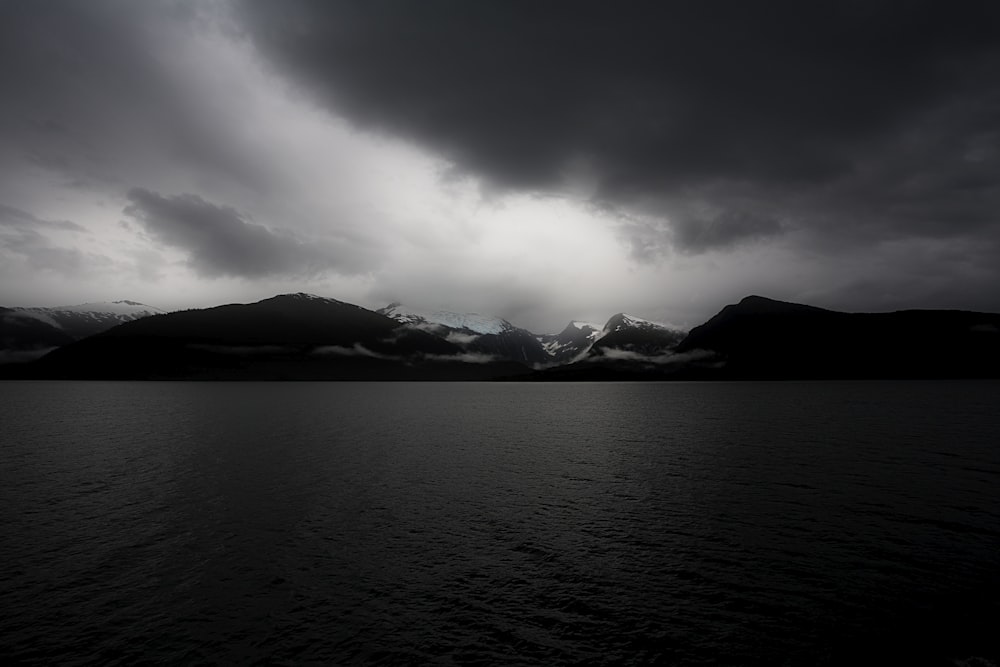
[(697, 524)]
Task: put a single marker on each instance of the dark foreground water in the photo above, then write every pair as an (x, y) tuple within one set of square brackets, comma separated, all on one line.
[(747, 523)]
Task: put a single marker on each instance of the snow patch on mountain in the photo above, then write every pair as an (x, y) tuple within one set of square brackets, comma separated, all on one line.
[(626, 321), (574, 341), (304, 296), (583, 326), (550, 346), (86, 319), (480, 324), (120, 311), (35, 314)]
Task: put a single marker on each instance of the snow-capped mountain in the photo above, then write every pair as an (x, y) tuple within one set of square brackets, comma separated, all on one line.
[(623, 336), (572, 342), (472, 322), (289, 336), (306, 296), (475, 333), (481, 338), (301, 336), (86, 319), (626, 335), (624, 321)]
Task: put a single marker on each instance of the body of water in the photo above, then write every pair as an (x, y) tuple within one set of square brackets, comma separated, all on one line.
[(661, 523)]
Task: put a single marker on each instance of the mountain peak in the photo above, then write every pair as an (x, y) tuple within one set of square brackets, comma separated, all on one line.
[(577, 327), (303, 297), (756, 298), (626, 321), (762, 304)]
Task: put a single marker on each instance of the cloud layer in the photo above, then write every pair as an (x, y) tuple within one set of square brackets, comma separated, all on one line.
[(220, 241), (733, 122), (538, 161)]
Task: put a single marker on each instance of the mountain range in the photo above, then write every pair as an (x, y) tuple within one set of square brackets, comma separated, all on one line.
[(28, 333), (303, 336), (474, 333)]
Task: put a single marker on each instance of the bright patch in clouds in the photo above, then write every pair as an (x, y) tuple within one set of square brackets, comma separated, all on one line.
[(363, 217), (186, 155)]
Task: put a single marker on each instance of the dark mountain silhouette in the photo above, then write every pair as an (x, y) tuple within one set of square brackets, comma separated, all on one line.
[(292, 336), (23, 338), (26, 333), (515, 344), (763, 338), (300, 336)]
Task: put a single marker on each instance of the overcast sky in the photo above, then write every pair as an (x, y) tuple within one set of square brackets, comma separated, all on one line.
[(535, 160)]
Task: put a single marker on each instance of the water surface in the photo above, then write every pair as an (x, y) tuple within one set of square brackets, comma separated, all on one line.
[(680, 523)]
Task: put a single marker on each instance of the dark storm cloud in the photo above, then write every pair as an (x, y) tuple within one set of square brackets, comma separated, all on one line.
[(697, 232), (89, 88), (67, 69), (220, 241), (726, 229), (844, 151), (850, 119)]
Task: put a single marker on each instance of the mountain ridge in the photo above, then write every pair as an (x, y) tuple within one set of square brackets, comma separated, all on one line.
[(763, 337), (474, 333), (285, 337), (305, 336), (29, 332)]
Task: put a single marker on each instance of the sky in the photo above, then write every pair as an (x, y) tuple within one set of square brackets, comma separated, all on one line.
[(537, 161)]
